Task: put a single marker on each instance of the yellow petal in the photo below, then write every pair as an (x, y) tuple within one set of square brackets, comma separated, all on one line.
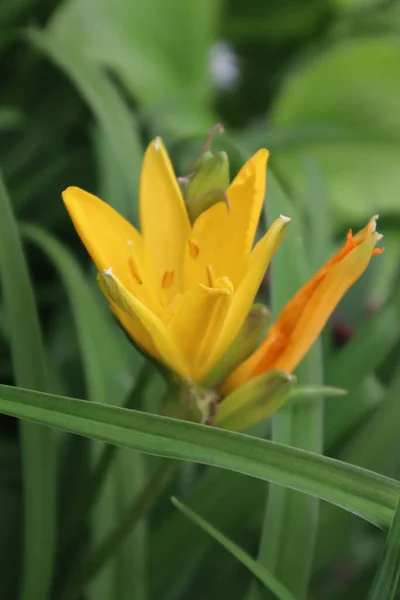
[(243, 297), (163, 217), (135, 311), (112, 242), (198, 319), (225, 238), (135, 328)]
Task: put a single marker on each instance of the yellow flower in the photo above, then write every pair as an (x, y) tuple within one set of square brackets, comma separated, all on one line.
[(181, 290), (302, 319)]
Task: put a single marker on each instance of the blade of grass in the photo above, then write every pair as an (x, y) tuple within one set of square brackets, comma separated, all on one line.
[(386, 579), (170, 537), (37, 444), (264, 576), (369, 495), (291, 519)]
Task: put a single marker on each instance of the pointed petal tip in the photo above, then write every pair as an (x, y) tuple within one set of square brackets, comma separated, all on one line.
[(157, 143), (285, 219), (372, 223)]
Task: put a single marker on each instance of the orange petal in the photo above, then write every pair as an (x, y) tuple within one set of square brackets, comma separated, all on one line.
[(305, 315)]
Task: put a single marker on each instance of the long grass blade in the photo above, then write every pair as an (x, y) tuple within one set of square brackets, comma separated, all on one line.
[(262, 574), (37, 443), (369, 495)]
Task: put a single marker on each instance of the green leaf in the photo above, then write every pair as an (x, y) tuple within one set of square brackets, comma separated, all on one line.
[(169, 539), (360, 161), (150, 47), (370, 495), (264, 576), (387, 578), (38, 447), (114, 118)]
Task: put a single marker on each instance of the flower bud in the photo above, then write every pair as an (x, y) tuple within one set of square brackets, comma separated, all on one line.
[(254, 401), (243, 345), (207, 181)]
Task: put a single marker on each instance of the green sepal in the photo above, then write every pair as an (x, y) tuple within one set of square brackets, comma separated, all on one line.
[(254, 401)]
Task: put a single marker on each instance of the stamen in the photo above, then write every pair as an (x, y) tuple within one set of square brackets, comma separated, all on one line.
[(193, 249), (350, 243), (167, 279), (377, 251), (210, 276), (134, 270)]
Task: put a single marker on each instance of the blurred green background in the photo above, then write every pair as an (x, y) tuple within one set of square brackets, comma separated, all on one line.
[(85, 85)]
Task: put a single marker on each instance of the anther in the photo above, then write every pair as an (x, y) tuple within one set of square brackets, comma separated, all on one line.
[(193, 249), (167, 279), (134, 270), (210, 276)]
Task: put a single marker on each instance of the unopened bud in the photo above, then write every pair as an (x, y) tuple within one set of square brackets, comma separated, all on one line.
[(207, 180), (243, 345), (254, 401)]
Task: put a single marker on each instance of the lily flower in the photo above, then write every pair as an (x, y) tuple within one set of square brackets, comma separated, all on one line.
[(183, 286)]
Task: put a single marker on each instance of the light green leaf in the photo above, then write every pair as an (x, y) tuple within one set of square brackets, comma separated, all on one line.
[(264, 576), (370, 495), (387, 578), (39, 451), (150, 46), (362, 167)]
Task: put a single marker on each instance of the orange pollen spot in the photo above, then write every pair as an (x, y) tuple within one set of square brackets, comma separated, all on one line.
[(167, 279), (377, 251), (134, 270), (193, 249), (210, 276)]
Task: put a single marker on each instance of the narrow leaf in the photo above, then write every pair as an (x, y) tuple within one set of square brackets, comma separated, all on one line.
[(387, 578), (38, 445), (262, 574), (369, 495)]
